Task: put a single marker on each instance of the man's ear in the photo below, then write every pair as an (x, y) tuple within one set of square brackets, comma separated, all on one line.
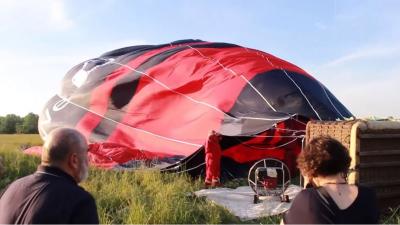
[(74, 161)]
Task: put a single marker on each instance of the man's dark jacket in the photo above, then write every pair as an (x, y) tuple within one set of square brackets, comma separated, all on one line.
[(47, 196)]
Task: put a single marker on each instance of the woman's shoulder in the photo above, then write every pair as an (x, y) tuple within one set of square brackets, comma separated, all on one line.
[(309, 195), (310, 192), (307, 192), (366, 191), (319, 196), (365, 188), (307, 207), (366, 204)]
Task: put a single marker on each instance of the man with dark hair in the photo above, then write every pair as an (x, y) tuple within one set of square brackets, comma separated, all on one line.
[(52, 194)]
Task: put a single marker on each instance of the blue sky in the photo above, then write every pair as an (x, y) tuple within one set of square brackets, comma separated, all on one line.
[(350, 46)]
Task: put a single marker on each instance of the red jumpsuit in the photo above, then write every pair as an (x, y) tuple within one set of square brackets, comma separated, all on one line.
[(213, 160)]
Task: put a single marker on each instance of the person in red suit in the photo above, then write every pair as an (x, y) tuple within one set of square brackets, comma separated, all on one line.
[(213, 160)]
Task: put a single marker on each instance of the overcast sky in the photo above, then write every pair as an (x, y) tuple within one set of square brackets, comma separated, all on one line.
[(352, 47)]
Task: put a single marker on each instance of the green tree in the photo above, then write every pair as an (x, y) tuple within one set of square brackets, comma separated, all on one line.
[(10, 123), (30, 124), (2, 124)]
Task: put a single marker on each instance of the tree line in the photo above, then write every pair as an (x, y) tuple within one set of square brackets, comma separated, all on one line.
[(14, 124)]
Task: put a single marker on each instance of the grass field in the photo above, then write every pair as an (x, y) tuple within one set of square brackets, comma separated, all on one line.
[(142, 196)]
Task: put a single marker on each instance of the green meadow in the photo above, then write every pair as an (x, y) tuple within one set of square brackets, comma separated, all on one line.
[(140, 196)]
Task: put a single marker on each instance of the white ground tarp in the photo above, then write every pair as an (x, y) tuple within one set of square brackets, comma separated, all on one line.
[(239, 201)]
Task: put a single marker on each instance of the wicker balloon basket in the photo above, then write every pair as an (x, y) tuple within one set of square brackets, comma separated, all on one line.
[(375, 151)]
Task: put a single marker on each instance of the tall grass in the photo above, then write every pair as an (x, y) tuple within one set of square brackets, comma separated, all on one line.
[(146, 196), (17, 164), (392, 216), (141, 196)]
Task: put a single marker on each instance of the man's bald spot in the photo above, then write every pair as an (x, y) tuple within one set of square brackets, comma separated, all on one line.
[(60, 143)]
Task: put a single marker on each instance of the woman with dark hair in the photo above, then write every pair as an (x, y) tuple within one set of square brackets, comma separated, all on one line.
[(324, 164)]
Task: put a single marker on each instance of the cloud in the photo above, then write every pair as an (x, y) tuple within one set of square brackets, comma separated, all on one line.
[(105, 47), (374, 98), (366, 96), (366, 81), (30, 15), (366, 53), (58, 15), (29, 79)]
